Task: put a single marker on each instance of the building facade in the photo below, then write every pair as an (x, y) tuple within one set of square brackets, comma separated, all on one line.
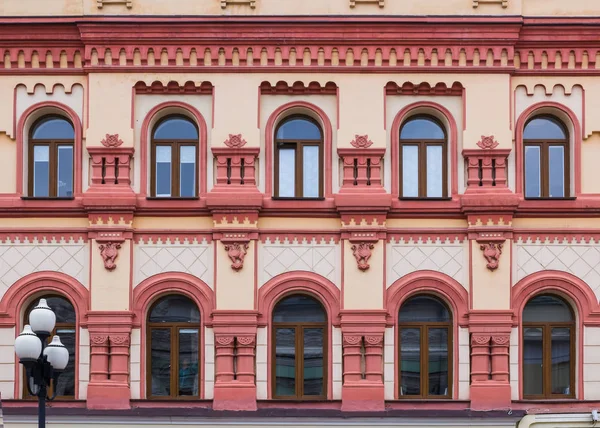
[(244, 211)]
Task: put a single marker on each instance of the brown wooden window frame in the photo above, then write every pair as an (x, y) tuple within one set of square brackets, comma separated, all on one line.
[(175, 145), (544, 146), (52, 145), (174, 328), (299, 328), (547, 355), (298, 146), (422, 144), (58, 326), (424, 352)]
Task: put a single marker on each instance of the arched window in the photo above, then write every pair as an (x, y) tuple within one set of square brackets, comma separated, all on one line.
[(299, 348), (66, 329), (298, 158), (548, 348), (173, 348), (423, 158), (51, 146), (174, 172), (425, 332), (546, 158)]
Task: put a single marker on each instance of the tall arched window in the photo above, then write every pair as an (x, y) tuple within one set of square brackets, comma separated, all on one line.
[(425, 344), (298, 158), (299, 348), (174, 172), (423, 158), (548, 348), (66, 329), (173, 337), (546, 158), (50, 166)]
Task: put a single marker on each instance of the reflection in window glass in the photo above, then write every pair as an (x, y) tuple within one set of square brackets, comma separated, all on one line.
[(422, 128), (287, 178), (556, 155), (65, 171), (53, 128), (434, 171), (176, 128), (187, 171), (410, 171), (410, 361), (299, 308), (298, 129), (160, 357), (285, 362), (424, 309), (41, 171), (533, 174), (438, 361), (188, 362), (163, 171), (310, 171), (543, 128), (313, 361), (66, 381), (561, 360), (533, 376)]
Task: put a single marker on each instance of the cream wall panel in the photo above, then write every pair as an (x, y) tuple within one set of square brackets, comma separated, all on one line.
[(275, 258), (389, 352), (514, 363), (7, 362), (209, 363), (557, 420), (196, 259), (84, 362), (8, 150), (135, 358), (364, 289), (110, 289), (560, 8), (464, 364), (336, 359), (492, 289), (261, 363), (448, 257), (235, 289), (591, 363)]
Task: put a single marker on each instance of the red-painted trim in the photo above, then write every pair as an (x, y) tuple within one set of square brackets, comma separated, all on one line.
[(21, 131), (576, 140), (269, 137), (145, 144), (452, 143)]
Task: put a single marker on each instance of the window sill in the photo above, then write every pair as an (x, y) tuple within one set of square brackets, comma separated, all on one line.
[(297, 199), (38, 198), (157, 198), (571, 198), (425, 199)]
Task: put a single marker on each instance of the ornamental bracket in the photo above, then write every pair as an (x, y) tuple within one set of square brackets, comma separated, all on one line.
[(380, 3), (476, 3), (101, 3), (225, 3)]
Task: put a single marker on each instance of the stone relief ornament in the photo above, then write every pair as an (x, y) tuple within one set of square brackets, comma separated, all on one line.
[(236, 252), (109, 252), (361, 142), (235, 141), (352, 340), (362, 254), (492, 252), (112, 140), (487, 143)]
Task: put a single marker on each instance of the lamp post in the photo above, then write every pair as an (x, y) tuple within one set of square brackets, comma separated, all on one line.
[(43, 362)]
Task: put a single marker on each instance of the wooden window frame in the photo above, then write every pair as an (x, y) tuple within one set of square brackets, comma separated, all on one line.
[(298, 146), (422, 144), (424, 352), (52, 145), (544, 146), (547, 357), (175, 145), (73, 326)]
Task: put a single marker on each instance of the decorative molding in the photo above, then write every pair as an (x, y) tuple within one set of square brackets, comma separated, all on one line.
[(504, 3), (380, 3), (423, 88), (119, 340), (313, 88), (374, 340), (236, 252), (487, 143), (352, 340), (99, 339), (246, 341), (501, 340), (480, 340), (172, 87), (101, 3), (225, 3), (112, 140), (361, 142), (109, 252), (492, 252), (362, 254), (225, 341), (235, 141)]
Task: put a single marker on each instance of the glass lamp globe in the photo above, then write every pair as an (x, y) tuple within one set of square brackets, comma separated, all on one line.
[(27, 345), (57, 354), (42, 319)]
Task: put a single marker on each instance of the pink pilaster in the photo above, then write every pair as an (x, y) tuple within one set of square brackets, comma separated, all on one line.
[(224, 346), (374, 358), (98, 358), (500, 358)]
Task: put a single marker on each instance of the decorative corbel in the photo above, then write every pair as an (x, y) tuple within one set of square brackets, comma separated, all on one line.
[(362, 254), (109, 252), (492, 252), (236, 245)]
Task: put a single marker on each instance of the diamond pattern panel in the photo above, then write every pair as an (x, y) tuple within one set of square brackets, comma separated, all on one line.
[(581, 260), (407, 258), (194, 259), (275, 259), (19, 260)]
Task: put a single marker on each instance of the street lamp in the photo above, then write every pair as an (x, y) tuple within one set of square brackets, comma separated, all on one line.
[(43, 362)]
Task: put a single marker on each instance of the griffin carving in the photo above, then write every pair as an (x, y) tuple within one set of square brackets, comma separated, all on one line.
[(109, 253), (362, 254), (236, 253), (491, 252)]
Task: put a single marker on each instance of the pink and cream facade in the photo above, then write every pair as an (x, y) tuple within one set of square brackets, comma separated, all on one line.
[(310, 208)]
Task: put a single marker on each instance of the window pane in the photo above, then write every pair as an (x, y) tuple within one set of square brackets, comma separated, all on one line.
[(561, 361), (65, 171), (410, 171), (160, 357), (313, 361), (163, 170), (176, 128), (285, 362), (53, 128), (434, 172), (422, 128), (41, 171), (544, 128), (299, 308), (533, 173), (287, 173), (188, 361), (410, 361), (299, 129), (556, 170), (438, 361), (423, 309), (187, 171), (310, 171), (547, 308), (533, 376), (66, 381), (175, 308)]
